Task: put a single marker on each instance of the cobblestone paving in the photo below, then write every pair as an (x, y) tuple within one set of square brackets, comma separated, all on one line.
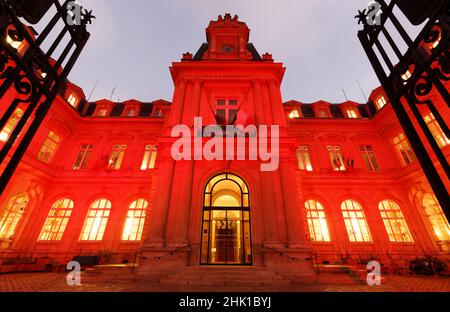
[(52, 282)]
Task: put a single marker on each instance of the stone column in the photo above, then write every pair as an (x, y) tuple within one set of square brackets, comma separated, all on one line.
[(258, 103), (180, 205), (277, 104), (158, 215), (294, 212)]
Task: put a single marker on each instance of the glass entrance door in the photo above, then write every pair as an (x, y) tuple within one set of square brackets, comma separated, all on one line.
[(226, 233)]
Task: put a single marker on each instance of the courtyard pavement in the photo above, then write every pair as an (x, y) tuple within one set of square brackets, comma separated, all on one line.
[(54, 282)]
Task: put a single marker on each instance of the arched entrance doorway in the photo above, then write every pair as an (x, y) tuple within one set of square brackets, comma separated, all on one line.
[(226, 232)]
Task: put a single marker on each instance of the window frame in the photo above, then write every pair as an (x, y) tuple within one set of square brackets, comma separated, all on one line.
[(317, 212), (120, 150), (391, 213), (99, 210), (302, 161), (126, 237), (360, 219), (369, 161), (54, 215), (50, 143), (335, 153)]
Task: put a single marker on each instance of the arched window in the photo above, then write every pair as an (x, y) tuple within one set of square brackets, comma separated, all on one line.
[(134, 224), (394, 222), (317, 223), (95, 223), (436, 217), (12, 214), (56, 221), (355, 221)]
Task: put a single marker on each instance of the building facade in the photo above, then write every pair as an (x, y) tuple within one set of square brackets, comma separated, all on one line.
[(100, 177)]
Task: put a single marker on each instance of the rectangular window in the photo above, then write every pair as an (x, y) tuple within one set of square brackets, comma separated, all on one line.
[(150, 153), (436, 130), (116, 157), (304, 158), (49, 147), (369, 158), (336, 158), (404, 151), (73, 100), (381, 102), (226, 111), (82, 159), (10, 125)]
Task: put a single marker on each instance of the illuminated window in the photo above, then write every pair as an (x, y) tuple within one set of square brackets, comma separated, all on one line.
[(102, 112), (352, 113), (294, 114), (436, 130), (13, 39), (82, 159), (436, 217), (394, 222), (157, 113), (150, 153), (10, 125), (11, 216), (369, 158), (355, 222), (96, 220), (226, 111), (403, 149), (73, 100), (116, 158), (337, 160), (322, 113), (131, 113), (304, 158), (56, 221), (381, 102), (49, 147), (317, 223), (134, 224), (406, 75)]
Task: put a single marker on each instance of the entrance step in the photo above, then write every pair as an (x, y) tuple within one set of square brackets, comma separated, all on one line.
[(226, 276)]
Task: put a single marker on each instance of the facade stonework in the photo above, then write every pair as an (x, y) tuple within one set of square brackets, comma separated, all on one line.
[(100, 179)]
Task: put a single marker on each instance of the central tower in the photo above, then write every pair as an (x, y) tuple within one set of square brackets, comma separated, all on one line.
[(250, 217)]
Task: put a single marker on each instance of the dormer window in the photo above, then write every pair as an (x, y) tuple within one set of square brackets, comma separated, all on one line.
[(294, 114), (131, 113), (157, 113), (12, 39), (102, 112), (351, 113), (380, 102), (73, 100), (406, 75), (10, 125), (322, 113)]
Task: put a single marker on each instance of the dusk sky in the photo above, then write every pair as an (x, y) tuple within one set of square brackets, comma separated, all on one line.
[(133, 43)]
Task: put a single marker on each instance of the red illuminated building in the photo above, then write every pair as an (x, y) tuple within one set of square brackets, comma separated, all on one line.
[(99, 178)]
